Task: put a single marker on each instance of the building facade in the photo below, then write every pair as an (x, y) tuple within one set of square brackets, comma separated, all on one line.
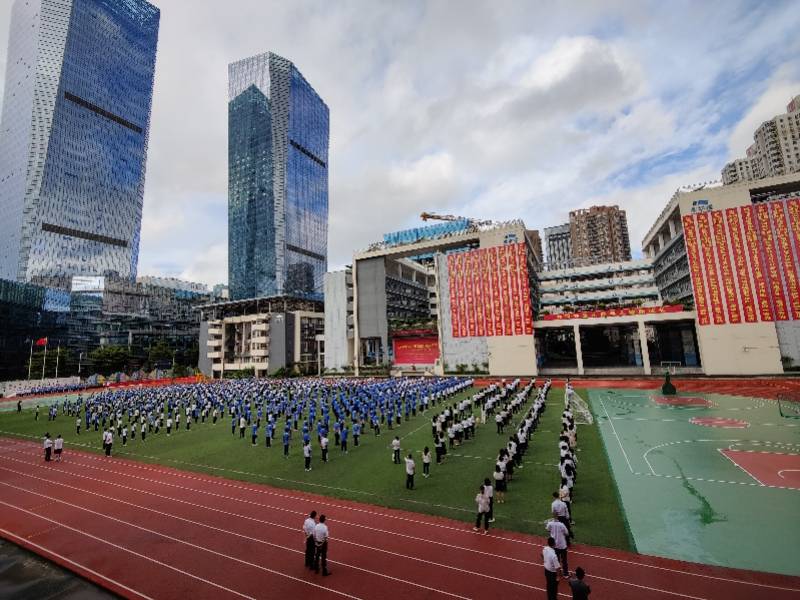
[(775, 150), (73, 145), (559, 246), (599, 234), (278, 129)]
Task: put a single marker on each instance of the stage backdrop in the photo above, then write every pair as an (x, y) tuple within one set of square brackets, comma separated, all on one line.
[(416, 351)]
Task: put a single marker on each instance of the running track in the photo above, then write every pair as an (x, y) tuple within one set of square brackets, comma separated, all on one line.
[(146, 531)]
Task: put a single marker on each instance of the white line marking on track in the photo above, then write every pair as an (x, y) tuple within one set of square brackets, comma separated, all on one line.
[(24, 542), (254, 488), (722, 452), (610, 422), (123, 548), (240, 516)]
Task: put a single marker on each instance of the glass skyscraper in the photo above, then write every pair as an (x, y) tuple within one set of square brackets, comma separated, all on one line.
[(277, 181), (73, 139)]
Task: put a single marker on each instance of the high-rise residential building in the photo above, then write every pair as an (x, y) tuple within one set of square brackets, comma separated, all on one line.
[(559, 246), (775, 149), (599, 234), (277, 181), (73, 140)]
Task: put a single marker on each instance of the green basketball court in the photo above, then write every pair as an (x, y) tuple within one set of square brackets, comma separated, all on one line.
[(705, 477)]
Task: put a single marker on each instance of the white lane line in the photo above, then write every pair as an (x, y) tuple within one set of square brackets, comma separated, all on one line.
[(722, 452), (124, 549), (234, 558), (246, 517), (252, 488), (614, 429), (782, 471), (25, 542)]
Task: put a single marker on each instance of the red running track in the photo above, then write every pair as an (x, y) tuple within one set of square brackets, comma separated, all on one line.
[(147, 531)]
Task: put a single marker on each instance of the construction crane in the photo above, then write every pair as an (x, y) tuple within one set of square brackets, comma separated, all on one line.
[(433, 216)]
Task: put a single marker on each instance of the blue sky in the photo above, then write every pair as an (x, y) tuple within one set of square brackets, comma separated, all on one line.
[(486, 109)]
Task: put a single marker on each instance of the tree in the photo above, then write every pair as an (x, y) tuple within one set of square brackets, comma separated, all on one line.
[(63, 358), (161, 354), (109, 359)]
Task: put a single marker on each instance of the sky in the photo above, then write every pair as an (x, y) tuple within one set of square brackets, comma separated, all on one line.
[(492, 110)]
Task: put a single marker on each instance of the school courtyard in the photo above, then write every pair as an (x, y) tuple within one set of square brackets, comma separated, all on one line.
[(691, 496)]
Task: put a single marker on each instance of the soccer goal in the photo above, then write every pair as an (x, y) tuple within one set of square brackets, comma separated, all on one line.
[(789, 406), (583, 416), (671, 366)]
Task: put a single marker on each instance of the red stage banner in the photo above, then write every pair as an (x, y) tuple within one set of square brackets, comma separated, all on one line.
[(525, 290), (773, 271), (487, 292), (756, 264), (477, 285), (693, 252), (513, 275), (726, 272), (462, 296), (710, 264), (615, 312), (740, 264), (783, 238), (416, 351), (793, 206)]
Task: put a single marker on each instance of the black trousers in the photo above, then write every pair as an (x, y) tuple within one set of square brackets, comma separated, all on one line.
[(47, 452), (321, 555), (108, 449), (324, 455), (308, 462), (396, 457), (552, 584), (426, 468), (562, 557), (485, 517), (409, 481), (310, 551)]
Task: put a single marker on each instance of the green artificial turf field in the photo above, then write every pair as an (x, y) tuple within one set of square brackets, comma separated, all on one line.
[(367, 474)]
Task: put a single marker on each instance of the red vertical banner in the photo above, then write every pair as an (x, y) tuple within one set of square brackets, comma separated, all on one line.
[(787, 263), (698, 284), (505, 267), (497, 301), (756, 263), (793, 206), (451, 274), (740, 265), (471, 305), (525, 291), (725, 270), (486, 284), (462, 295), (774, 282), (513, 275), (480, 329), (710, 264)]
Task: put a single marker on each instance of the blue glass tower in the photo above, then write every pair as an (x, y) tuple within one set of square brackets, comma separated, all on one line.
[(73, 140), (278, 130)]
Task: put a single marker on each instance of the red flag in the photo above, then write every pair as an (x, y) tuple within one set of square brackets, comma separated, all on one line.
[(41, 342)]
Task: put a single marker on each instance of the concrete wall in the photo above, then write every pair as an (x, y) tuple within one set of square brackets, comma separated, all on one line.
[(203, 362), (743, 349), (511, 355), (279, 331), (462, 350), (789, 340), (338, 349), (371, 290)]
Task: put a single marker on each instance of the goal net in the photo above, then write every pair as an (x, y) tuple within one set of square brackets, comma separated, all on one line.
[(583, 416), (789, 406)]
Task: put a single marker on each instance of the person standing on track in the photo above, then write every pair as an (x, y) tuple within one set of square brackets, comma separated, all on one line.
[(321, 546), (551, 568), (410, 468), (58, 447), (580, 589), (48, 447), (483, 511), (559, 532), (308, 529)]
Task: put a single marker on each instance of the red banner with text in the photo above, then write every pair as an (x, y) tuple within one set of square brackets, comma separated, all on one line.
[(725, 270), (756, 264), (787, 263), (740, 264), (710, 268), (773, 271), (416, 351)]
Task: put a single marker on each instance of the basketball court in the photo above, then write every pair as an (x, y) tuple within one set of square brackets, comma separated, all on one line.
[(698, 470)]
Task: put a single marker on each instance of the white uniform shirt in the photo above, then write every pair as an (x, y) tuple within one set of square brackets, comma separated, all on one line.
[(307, 450), (410, 466), (558, 531), (59, 443), (395, 444), (308, 526), (559, 508), (550, 559), (48, 443), (320, 533)]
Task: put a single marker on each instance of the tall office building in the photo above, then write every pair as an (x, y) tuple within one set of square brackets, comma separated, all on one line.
[(73, 140), (599, 234), (559, 246), (775, 149), (277, 181)]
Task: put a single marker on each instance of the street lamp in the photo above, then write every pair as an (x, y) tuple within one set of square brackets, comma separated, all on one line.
[(80, 358)]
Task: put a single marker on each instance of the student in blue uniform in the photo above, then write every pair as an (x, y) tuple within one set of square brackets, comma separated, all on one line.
[(356, 433), (286, 442)]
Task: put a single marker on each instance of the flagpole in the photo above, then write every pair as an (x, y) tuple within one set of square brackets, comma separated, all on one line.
[(44, 362), (30, 360), (58, 355)]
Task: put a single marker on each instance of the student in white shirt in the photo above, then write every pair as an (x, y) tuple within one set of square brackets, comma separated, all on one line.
[(551, 568), (321, 546), (558, 531), (396, 450), (488, 491), (307, 455), (308, 530), (483, 511), (48, 447), (58, 447), (410, 468), (426, 462)]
